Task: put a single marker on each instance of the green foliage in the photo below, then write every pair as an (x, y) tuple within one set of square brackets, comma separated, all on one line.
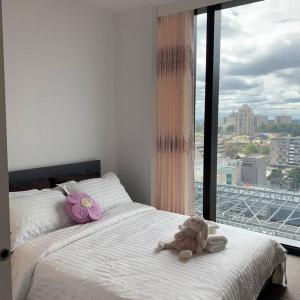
[(294, 174), (292, 129), (264, 149), (229, 129), (251, 149), (199, 127), (232, 150), (276, 176)]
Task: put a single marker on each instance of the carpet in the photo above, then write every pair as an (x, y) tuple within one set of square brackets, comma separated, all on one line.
[(292, 292)]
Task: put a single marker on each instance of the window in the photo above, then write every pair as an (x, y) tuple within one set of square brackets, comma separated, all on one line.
[(199, 109), (257, 166)]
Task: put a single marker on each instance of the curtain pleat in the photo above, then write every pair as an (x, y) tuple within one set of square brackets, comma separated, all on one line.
[(175, 114)]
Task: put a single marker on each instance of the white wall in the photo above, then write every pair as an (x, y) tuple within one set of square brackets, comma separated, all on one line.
[(60, 93), (80, 86), (135, 100), (5, 266)]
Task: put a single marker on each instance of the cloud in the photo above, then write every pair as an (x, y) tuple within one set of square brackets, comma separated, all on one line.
[(290, 76), (292, 100), (237, 83), (200, 76), (260, 58), (230, 27), (280, 55)]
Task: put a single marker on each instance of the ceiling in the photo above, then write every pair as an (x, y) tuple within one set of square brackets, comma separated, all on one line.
[(122, 5)]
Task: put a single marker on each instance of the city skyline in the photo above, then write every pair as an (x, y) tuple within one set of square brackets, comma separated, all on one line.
[(257, 68), (265, 114)]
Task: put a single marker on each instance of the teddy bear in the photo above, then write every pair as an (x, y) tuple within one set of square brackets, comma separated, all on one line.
[(191, 239)]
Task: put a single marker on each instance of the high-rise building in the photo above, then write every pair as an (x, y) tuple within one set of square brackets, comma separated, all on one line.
[(254, 170), (230, 120), (221, 147), (282, 120), (260, 120), (245, 120), (285, 151)]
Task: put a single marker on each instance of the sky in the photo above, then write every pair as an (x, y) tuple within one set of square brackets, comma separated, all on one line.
[(260, 59)]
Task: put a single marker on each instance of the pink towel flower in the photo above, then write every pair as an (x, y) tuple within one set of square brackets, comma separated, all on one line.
[(81, 208)]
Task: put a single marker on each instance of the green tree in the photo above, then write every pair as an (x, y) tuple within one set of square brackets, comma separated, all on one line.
[(199, 127), (264, 149), (232, 150), (294, 175), (229, 129), (251, 149), (276, 176), (292, 129)]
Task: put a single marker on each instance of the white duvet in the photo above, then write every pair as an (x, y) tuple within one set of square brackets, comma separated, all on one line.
[(115, 258)]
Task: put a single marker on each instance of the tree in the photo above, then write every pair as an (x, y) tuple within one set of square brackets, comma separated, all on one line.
[(276, 176), (264, 149), (229, 129), (251, 149), (294, 175), (293, 129), (199, 127), (232, 150)]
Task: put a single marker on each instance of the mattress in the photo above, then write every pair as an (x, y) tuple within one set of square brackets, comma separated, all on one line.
[(115, 258)]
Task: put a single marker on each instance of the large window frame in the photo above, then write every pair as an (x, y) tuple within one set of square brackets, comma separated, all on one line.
[(211, 114)]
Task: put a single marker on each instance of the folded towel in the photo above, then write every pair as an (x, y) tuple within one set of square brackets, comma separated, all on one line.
[(212, 227), (216, 242), (215, 248), (216, 239)]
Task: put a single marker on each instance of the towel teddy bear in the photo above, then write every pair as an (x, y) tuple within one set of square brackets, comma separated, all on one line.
[(192, 238)]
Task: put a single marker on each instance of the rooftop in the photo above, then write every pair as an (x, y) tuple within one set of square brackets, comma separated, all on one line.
[(276, 213)]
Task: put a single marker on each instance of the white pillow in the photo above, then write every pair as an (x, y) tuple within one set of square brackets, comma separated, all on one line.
[(23, 193), (107, 191), (67, 187), (36, 213)]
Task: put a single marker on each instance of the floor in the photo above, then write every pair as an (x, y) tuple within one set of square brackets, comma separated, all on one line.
[(293, 276)]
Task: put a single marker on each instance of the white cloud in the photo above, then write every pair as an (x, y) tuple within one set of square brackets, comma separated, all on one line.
[(260, 58)]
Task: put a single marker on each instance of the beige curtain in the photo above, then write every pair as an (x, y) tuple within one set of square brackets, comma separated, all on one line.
[(175, 114)]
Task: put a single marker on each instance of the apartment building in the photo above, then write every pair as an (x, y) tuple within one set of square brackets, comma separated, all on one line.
[(260, 120), (285, 152), (282, 120), (245, 120)]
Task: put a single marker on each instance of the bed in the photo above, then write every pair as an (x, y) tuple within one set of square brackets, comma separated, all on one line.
[(116, 258)]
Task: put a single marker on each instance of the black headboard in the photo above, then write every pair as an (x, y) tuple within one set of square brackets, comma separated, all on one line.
[(76, 170)]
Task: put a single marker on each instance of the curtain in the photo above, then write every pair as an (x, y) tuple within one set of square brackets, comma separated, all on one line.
[(175, 114)]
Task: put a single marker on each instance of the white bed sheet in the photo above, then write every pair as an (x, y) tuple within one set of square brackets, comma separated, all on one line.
[(115, 258)]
